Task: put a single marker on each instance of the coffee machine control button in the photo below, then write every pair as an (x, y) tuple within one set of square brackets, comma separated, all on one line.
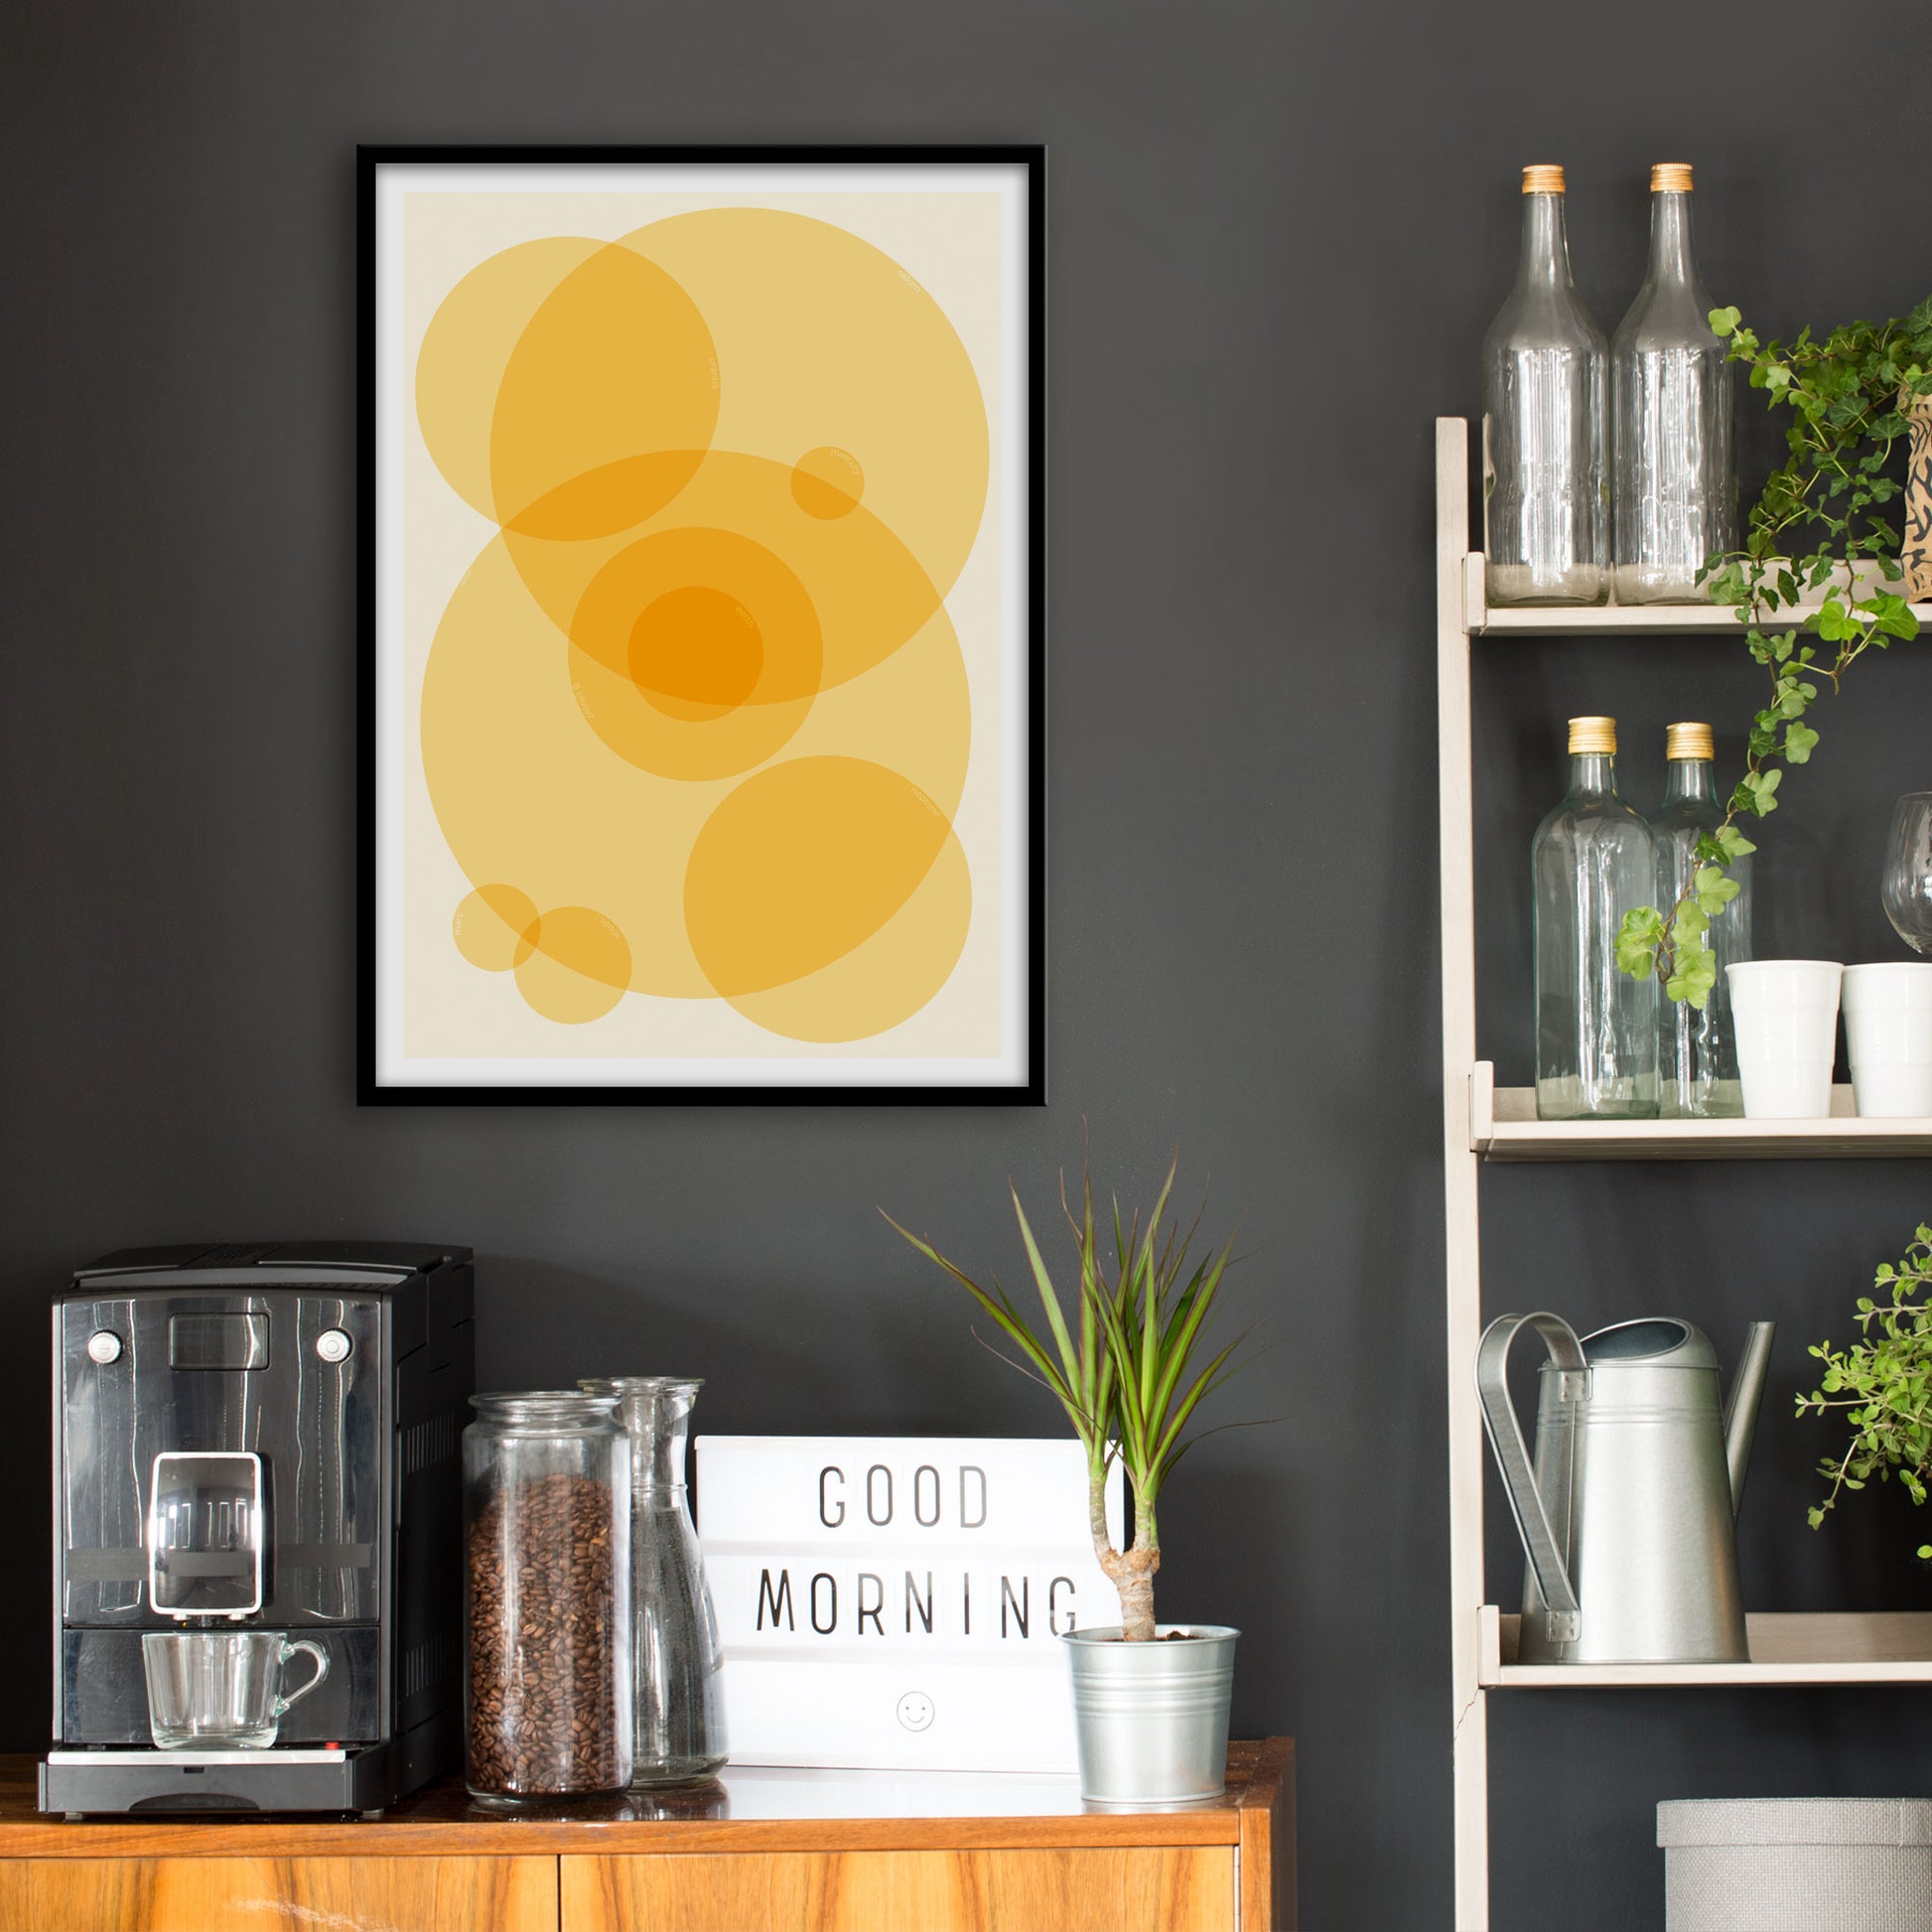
[(103, 1347), (332, 1345)]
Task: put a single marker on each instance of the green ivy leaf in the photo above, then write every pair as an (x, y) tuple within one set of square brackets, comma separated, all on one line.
[(1696, 976), (1713, 890), (1637, 941), (1894, 615), (1798, 741), (1834, 623)]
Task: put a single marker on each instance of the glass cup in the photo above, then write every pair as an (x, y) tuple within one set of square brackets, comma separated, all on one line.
[(221, 1690), (1907, 883)]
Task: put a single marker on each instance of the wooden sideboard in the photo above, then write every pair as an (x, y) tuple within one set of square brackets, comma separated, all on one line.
[(761, 1850)]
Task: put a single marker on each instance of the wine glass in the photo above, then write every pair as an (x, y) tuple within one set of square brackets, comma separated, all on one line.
[(1908, 871)]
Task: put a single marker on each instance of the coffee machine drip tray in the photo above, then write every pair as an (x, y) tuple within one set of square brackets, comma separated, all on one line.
[(290, 1780), (279, 1753)]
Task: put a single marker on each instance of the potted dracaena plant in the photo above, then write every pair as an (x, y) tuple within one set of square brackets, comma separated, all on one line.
[(1130, 1366)]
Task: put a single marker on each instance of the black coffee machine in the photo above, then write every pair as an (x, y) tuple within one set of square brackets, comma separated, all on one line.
[(262, 1438)]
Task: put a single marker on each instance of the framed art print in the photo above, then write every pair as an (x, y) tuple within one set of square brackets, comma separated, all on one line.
[(702, 583)]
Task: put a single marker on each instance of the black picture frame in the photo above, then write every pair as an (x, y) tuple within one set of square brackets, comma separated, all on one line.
[(1029, 1089)]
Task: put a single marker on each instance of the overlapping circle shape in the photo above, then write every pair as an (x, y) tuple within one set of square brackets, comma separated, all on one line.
[(695, 721)]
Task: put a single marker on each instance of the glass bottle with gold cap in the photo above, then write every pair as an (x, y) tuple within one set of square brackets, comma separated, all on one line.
[(1676, 485), (1592, 861), (1545, 409), (1699, 1075)]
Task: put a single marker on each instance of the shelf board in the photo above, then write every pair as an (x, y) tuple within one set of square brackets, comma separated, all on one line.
[(1484, 620), (1858, 1647), (1503, 1127)]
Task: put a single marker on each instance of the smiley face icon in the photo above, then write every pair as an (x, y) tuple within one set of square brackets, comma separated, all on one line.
[(916, 1711)]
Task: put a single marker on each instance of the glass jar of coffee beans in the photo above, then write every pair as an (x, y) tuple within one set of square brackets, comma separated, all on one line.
[(546, 1522)]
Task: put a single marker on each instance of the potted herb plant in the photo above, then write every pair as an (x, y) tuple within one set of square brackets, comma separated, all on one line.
[(1884, 1383), (1129, 1364)]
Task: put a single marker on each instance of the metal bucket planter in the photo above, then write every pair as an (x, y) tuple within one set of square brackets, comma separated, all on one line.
[(1152, 1718)]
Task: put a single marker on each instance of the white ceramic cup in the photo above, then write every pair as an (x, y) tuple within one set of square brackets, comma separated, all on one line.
[(1888, 1037), (1785, 1013)]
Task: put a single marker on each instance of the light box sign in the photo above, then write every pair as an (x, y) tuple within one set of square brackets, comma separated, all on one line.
[(896, 1603)]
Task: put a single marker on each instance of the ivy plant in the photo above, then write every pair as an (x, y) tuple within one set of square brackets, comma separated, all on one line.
[(1819, 525), (1884, 1384)]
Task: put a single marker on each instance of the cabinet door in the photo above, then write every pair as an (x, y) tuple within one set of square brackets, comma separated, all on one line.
[(270, 1895), (1138, 1888)]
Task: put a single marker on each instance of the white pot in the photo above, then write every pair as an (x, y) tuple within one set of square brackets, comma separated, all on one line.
[(1785, 1016), (1888, 1036)]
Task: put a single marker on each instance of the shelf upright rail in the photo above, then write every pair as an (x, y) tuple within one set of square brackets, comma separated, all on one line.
[(1483, 1121), (1462, 1249)]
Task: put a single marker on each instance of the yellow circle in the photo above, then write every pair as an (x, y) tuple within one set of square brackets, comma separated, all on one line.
[(466, 348), (573, 965), (490, 925), (800, 864), (827, 481), (885, 978), (825, 340), (606, 402)]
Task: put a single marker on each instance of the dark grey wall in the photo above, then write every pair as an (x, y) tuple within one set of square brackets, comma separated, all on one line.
[(1278, 232)]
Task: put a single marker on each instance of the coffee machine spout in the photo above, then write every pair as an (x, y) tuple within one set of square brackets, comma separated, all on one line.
[(1746, 1397)]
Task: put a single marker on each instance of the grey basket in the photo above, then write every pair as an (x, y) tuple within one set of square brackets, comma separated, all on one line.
[(1797, 1865)]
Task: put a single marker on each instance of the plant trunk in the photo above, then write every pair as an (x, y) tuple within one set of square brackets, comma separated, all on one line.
[(1131, 1571)]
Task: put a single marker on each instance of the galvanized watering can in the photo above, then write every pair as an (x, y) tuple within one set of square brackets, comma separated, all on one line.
[(1628, 1518)]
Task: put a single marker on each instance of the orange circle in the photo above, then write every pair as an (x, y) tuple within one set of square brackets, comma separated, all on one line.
[(696, 652)]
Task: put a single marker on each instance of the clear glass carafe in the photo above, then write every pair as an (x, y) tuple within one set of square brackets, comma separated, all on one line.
[(1676, 485), (1699, 1075), (679, 1713), (546, 1518), (1544, 381), (1592, 860)]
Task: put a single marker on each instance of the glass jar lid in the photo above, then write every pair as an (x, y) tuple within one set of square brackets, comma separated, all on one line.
[(547, 1411), (622, 1385)]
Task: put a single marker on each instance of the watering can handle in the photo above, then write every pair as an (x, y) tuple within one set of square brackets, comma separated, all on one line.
[(1526, 1503)]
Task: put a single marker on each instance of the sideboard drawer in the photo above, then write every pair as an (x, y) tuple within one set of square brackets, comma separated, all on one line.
[(218, 1895), (1128, 1888)]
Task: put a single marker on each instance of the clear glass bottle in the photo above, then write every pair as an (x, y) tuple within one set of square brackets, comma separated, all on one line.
[(546, 1520), (1699, 1075), (1545, 404), (1676, 482), (1592, 860), (679, 1728)]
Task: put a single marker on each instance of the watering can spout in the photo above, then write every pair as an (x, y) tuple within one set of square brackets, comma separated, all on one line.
[(1746, 1396)]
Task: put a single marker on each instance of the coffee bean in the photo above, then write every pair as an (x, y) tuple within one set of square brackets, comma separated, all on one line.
[(544, 1640)]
